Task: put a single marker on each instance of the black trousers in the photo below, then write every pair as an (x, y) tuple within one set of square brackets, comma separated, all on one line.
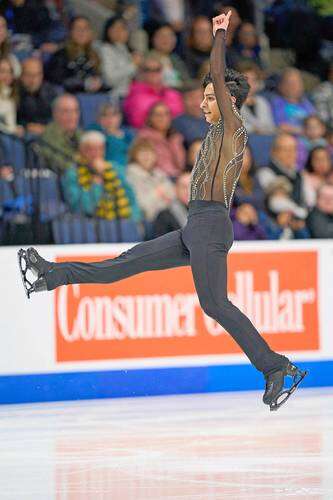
[(203, 244)]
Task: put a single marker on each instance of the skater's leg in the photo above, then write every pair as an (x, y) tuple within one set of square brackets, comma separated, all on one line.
[(209, 268), (164, 252), (209, 236)]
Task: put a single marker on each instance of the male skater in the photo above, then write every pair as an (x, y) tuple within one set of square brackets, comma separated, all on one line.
[(204, 242)]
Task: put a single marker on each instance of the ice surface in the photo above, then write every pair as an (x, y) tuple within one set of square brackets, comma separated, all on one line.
[(216, 446)]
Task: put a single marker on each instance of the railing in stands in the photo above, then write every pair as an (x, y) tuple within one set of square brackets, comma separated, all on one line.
[(32, 205)]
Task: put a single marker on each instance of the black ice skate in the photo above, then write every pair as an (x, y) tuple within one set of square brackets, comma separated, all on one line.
[(30, 260), (275, 396)]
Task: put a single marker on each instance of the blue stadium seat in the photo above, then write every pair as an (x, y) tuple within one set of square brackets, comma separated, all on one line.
[(15, 197), (261, 147), (89, 104), (14, 151), (149, 229), (46, 192), (6, 193), (107, 231), (129, 231), (73, 228)]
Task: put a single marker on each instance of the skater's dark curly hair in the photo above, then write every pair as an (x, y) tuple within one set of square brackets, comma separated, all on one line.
[(236, 83)]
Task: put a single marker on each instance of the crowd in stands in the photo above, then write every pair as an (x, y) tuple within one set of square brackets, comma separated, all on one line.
[(113, 120)]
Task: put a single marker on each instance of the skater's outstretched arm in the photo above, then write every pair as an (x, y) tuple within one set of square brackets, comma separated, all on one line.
[(217, 71)]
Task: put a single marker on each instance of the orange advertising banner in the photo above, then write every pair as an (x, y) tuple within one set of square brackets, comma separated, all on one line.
[(157, 314)]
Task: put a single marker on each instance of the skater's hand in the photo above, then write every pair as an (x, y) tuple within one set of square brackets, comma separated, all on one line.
[(221, 22)]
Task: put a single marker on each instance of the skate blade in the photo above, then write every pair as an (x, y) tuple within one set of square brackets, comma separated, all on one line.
[(21, 255), (275, 406)]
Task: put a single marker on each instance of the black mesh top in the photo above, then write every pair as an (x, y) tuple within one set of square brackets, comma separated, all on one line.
[(219, 161)]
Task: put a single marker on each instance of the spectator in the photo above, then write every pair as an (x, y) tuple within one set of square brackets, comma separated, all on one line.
[(93, 186), (199, 44), (314, 132), (60, 141), (6, 49), (76, 66), (323, 98), (248, 189), (163, 42), (291, 107), (246, 223), (192, 153), (283, 162), (317, 169), (314, 135), (118, 65), (149, 90), (153, 189), (35, 98), (320, 220), (174, 217), (246, 46), (329, 139), (192, 124), (8, 98), (173, 11), (279, 198), (29, 17), (256, 110), (167, 142), (118, 138)]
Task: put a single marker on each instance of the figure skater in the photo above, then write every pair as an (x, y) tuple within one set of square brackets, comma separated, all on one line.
[(204, 242)]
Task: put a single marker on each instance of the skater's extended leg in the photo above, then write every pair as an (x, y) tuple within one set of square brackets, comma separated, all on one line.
[(164, 252)]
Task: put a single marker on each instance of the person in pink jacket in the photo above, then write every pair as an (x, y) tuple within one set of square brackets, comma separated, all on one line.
[(171, 154), (149, 90)]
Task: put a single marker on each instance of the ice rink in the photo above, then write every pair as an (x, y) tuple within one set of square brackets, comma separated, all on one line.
[(205, 446)]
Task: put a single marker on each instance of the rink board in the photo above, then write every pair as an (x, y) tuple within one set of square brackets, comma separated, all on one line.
[(147, 335)]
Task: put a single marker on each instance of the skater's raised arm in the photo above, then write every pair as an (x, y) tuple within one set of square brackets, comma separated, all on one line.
[(225, 102)]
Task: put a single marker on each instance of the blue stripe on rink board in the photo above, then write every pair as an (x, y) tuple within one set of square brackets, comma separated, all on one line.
[(146, 382)]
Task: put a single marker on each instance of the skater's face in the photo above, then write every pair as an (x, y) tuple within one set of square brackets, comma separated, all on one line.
[(209, 104)]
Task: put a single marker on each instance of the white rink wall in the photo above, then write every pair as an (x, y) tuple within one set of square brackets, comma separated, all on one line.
[(147, 335)]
